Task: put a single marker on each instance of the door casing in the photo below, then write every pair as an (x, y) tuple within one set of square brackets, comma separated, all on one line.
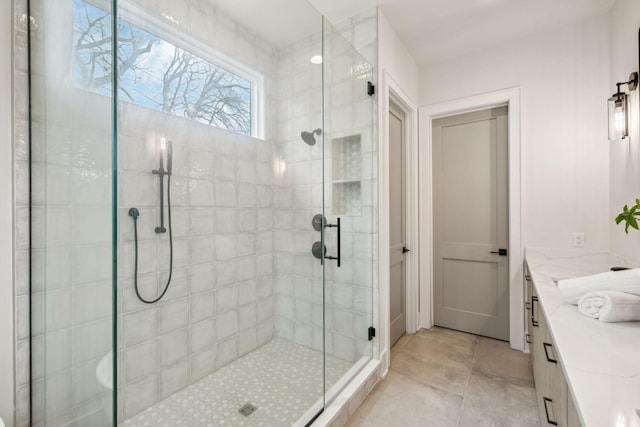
[(391, 91), (511, 99)]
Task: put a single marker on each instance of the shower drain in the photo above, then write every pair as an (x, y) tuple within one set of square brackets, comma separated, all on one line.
[(247, 409)]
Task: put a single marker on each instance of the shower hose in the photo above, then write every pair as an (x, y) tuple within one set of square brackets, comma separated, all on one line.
[(133, 212)]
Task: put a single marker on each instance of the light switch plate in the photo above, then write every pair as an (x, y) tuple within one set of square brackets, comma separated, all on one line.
[(578, 240)]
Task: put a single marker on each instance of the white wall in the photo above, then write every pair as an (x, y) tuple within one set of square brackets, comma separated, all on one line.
[(624, 156), (395, 59), (563, 75), (6, 229)]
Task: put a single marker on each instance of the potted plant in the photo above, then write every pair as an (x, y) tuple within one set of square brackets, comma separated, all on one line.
[(629, 216)]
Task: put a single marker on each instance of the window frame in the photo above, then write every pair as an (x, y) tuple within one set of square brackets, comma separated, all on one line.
[(170, 32)]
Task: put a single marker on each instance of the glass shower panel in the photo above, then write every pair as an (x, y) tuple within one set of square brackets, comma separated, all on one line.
[(349, 189), (71, 208), (238, 125)]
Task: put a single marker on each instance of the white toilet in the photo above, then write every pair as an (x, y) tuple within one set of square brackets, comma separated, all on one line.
[(104, 374)]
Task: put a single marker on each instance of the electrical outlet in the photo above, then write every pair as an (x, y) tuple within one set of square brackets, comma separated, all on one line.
[(578, 240)]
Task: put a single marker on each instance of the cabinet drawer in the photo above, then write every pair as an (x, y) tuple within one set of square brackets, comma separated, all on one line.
[(554, 393), (551, 386)]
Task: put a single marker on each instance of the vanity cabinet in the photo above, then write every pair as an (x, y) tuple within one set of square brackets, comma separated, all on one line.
[(572, 414), (555, 405)]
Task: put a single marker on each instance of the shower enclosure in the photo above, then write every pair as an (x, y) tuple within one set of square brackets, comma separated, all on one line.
[(202, 212)]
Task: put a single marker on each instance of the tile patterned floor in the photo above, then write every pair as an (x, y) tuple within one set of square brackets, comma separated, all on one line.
[(281, 379), (440, 377)]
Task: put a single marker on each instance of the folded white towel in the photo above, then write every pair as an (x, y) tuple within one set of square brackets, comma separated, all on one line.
[(610, 306), (624, 281)]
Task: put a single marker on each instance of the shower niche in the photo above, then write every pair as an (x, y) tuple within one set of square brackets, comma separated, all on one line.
[(347, 175)]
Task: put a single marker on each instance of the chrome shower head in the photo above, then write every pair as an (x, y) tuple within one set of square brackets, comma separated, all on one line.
[(309, 138)]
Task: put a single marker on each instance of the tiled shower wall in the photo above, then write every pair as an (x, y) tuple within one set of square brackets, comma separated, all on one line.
[(219, 305), (220, 302)]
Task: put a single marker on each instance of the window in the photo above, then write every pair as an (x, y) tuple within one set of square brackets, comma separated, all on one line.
[(160, 75)]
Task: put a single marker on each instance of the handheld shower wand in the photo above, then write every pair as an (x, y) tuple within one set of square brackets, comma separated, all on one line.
[(166, 148)]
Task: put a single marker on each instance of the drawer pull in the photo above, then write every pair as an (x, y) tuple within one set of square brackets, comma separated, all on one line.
[(527, 338), (546, 345), (534, 322), (546, 411)]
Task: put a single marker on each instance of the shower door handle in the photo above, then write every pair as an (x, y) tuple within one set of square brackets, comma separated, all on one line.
[(337, 225)]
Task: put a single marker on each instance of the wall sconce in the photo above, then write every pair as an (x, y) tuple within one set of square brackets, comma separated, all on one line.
[(619, 110)]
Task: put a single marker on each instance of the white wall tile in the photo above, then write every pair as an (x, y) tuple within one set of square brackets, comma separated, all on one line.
[(203, 278), (203, 334), (140, 360), (227, 352), (174, 378), (173, 315), (247, 317), (226, 272), (247, 341), (140, 395), (173, 347), (201, 192), (226, 324), (203, 363), (226, 298), (139, 326), (203, 306)]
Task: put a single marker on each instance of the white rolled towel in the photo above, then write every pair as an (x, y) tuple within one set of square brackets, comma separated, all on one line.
[(624, 281), (610, 306)]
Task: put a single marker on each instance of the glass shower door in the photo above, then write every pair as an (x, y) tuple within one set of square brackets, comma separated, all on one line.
[(349, 207), (72, 311)]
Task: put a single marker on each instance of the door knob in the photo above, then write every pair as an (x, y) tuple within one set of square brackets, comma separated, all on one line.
[(405, 249), (501, 252)]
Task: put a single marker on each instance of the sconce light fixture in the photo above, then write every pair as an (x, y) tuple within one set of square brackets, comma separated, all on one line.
[(619, 110)]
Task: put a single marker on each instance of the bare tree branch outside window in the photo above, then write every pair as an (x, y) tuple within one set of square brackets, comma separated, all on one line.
[(157, 74)]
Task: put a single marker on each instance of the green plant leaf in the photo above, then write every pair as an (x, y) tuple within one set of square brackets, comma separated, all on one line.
[(629, 216)]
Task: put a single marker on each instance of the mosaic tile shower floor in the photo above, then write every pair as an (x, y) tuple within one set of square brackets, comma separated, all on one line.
[(282, 379)]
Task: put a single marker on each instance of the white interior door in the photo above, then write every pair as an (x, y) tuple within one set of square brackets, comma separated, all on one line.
[(470, 220), (397, 226)]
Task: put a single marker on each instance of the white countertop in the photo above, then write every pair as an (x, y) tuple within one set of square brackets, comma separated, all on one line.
[(601, 361)]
